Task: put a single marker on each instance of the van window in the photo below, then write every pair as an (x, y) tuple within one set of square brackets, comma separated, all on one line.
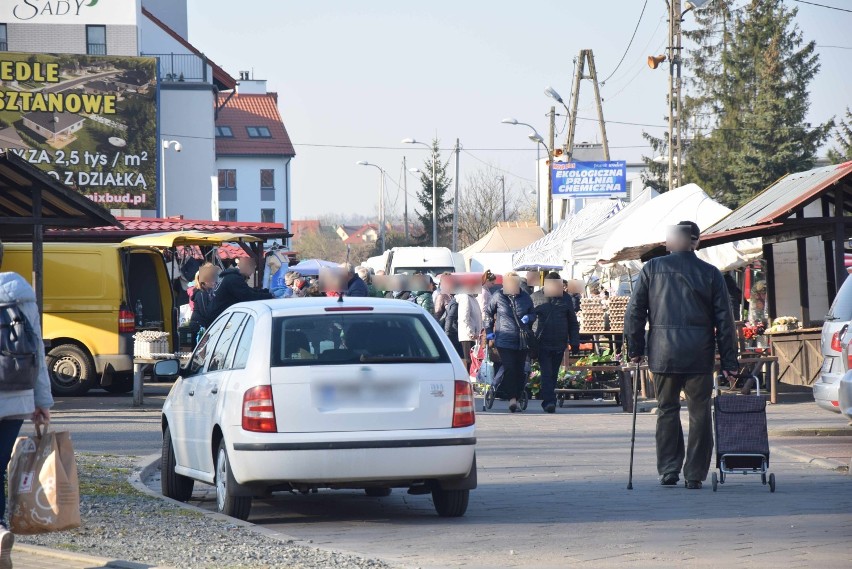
[(841, 309), (240, 352), (223, 345), (335, 339)]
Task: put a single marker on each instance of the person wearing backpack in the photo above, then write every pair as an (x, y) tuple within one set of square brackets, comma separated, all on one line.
[(24, 383)]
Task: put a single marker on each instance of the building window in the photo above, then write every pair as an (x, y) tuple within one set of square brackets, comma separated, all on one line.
[(227, 179), (258, 132), (267, 179), (96, 40), (227, 215), (267, 216), (4, 42), (224, 132)]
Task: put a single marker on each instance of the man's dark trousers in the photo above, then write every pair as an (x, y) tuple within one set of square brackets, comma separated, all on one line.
[(549, 362), (670, 447)]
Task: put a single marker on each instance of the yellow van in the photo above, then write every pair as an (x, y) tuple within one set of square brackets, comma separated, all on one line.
[(91, 291)]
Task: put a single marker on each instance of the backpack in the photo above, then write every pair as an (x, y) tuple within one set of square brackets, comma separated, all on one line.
[(19, 365)]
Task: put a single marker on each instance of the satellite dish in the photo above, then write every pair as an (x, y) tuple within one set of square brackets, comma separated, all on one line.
[(117, 142)]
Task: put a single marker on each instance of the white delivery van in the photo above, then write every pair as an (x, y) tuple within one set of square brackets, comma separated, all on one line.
[(432, 260)]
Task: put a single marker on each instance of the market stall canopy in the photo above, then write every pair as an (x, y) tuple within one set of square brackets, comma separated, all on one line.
[(312, 267), (56, 205), (585, 249), (503, 240), (646, 228), (549, 251), (187, 238)]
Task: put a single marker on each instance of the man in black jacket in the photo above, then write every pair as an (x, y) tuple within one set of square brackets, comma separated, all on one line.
[(555, 324), (233, 288), (686, 302)]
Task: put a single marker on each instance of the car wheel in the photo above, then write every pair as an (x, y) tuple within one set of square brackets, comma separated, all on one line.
[(121, 383), (71, 370), (226, 503), (173, 485), (378, 492), (450, 503)]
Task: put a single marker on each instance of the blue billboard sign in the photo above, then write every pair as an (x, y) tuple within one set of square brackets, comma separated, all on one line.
[(590, 179)]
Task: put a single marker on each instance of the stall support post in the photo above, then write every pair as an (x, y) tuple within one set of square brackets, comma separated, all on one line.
[(769, 257), (839, 236), (830, 283), (802, 261)]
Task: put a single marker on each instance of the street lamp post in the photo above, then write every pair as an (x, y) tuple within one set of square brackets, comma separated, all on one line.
[(514, 121), (166, 145), (537, 138), (434, 188), (381, 200)]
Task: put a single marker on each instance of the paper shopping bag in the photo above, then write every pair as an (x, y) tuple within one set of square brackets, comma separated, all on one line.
[(44, 491)]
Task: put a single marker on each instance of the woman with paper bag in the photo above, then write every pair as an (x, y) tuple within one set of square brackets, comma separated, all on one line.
[(24, 384)]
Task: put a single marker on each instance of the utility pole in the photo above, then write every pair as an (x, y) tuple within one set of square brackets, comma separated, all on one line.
[(675, 141), (382, 210), (550, 156), (456, 202), (503, 186), (434, 197), (586, 57), (405, 198)]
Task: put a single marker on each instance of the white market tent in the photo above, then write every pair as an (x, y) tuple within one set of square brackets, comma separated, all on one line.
[(582, 253), (549, 251), (646, 229)]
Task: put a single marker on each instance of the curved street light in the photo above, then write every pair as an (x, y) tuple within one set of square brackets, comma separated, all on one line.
[(381, 199), (434, 188)]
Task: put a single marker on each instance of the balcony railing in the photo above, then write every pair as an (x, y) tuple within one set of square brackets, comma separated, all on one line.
[(182, 67), (96, 49), (4, 46)]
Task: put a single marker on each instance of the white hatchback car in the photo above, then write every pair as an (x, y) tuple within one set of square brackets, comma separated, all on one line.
[(300, 394)]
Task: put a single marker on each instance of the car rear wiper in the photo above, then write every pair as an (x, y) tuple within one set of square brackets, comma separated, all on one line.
[(831, 318), (396, 359)]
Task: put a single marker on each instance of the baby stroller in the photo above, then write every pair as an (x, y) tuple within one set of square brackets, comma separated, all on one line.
[(490, 376), (742, 440)]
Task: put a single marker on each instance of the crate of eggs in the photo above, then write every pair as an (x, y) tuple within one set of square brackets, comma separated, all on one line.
[(150, 342), (592, 315), (617, 312)]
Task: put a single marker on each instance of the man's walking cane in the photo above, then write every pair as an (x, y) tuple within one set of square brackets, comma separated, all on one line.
[(633, 382)]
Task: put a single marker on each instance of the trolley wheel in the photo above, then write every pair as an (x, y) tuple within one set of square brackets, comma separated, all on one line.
[(524, 400), (489, 397), (772, 482), (714, 480), (763, 478), (561, 402)]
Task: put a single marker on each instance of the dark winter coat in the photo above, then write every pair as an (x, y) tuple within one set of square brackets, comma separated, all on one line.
[(687, 304), (451, 323), (202, 309), (556, 322), (503, 315), (231, 289), (357, 287)]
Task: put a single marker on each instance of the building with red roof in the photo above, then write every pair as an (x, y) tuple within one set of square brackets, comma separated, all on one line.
[(253, 155)]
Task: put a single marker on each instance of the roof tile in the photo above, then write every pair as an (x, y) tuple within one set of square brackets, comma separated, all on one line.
[(241, 111)]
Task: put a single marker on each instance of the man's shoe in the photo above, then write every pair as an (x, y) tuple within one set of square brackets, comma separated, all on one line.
[(550, 408), (693, 484), (670, 479), (7, 540)]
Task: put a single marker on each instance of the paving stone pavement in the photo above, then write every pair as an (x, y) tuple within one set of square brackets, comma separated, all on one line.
[(552, 492)]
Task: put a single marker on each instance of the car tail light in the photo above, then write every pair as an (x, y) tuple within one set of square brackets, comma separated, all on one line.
[(463, 404), (835, 403), (126, 322), (258, 410), (837, 339)]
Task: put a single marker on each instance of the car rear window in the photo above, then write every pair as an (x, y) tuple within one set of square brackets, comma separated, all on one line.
[(351, 338), (841, 309)]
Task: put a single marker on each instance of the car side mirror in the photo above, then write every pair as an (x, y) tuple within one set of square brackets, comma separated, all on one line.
[(167, 369)]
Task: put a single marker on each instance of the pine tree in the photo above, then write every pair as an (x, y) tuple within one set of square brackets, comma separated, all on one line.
[(774, 138), (843, 152), (444, 202)]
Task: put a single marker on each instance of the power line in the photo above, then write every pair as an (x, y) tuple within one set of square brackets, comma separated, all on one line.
[(824, 6), (835, 46), (466, 151), (645, 5)]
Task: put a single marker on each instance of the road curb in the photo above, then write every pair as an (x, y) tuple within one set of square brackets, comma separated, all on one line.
[(148, 464), (83, 558), (800, 456)]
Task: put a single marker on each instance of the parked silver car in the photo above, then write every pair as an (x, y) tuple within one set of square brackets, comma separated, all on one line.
[(835, 332)]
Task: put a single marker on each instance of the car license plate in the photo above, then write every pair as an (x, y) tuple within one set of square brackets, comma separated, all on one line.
[(827, 365), (352, 396)]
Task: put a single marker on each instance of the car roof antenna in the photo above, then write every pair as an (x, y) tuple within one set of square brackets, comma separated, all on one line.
[(340, 296)]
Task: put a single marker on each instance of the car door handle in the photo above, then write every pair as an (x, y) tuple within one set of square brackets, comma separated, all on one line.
[(214, 391), (191, 393)]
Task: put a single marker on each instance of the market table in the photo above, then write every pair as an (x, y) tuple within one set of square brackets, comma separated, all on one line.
[(624, 391), (799, 355)]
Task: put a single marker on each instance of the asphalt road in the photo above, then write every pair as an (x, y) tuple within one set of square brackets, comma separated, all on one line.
[(552, 493)]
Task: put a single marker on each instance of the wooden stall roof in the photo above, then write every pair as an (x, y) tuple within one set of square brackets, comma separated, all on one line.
[(135, 226)]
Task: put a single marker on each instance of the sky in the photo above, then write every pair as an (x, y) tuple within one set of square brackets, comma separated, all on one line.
[(369, 73)]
